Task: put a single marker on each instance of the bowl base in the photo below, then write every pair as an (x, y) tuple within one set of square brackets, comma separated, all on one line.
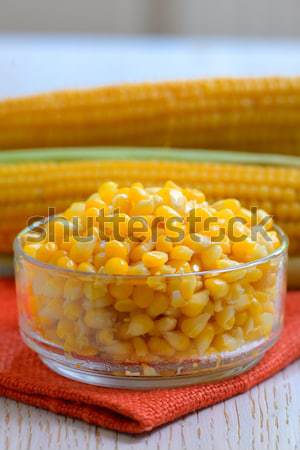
[(143, 382)]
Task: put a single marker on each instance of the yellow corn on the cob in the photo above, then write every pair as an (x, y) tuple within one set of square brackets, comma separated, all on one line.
[(57, 184), (261, 114)]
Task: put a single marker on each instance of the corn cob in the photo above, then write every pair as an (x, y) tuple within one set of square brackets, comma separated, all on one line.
[(57, 184), (240, 114)]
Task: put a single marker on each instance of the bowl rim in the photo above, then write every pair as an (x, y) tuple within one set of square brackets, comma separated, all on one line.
[(18, 251)]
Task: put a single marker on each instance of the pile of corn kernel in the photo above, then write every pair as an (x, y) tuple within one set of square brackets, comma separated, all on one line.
[(140, 299)]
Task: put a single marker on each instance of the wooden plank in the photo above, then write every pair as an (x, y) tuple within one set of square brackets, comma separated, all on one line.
[(265, 418)]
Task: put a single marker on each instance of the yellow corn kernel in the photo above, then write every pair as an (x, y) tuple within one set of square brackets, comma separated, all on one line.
[(166, 212), (228, 203), (262, 296), (137, 193), (241, 318), (46, 251), (140, 347), (116, 266), (82, 251), (66, 263), (163, 270), (217, 287), (154, 259), (94, 291), (95, 201), (255, 308), (121, 203), (238, 334), (181, 252), (159, 346), (260, 251), (197, 242), (202, 213), (193, 326), (140, 324), (226, 317), (241, 302), (172, 312), (224, 214), (120, 291), (204, 339), (235, 291), (31, 249), (87, 350), (72, 310), (253, 274), (266, 320), (72, 289), (177, 300), (165, 324), (225, 244), (143, 207), (58, 254), (230, 276), (119, 349), (122, 331), (116, 249), (99, 259), (105, 336), (107, 191), (98, 318), (86, 267), (218, 305), (70, 344), (54, 287), (194, 194), (225, 342), (209, 308), (137, 252), (196, 304), (64, 328), (177, 340), (163, 244), (53, 310), (210, 256), (159, 305), (143, 296), (196, 265), (99, 302), (138, 269), (77, 209), (174, 197), (125, 305), (243, 251)]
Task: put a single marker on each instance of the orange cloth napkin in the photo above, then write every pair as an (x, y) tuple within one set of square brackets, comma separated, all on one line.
[(24, 378)]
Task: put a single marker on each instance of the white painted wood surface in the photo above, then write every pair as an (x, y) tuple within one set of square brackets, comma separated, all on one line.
[(35, 63), (265, 418)]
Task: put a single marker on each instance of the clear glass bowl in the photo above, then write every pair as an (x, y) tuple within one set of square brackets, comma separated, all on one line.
[(136, 332)]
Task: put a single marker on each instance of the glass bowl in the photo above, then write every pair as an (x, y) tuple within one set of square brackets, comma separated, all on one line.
[(141, 332)]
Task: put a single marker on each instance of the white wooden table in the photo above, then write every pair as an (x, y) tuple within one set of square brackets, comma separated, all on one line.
[(265, 418), (268, 416)]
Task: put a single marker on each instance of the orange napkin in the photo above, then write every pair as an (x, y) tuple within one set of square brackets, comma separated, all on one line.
[(24, 378)]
